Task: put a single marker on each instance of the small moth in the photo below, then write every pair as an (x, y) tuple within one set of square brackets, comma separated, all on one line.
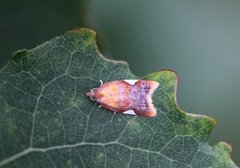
[(132, 97)]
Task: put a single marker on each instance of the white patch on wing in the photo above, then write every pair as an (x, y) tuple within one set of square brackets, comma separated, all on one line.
[(131, 81), (130, 112)]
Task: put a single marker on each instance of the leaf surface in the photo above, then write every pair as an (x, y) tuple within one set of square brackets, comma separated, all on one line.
[(46, 120)]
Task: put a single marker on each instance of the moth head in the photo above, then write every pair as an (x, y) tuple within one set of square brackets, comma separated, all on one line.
[(92, 94)]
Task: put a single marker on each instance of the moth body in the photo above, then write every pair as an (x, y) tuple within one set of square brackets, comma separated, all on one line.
[(132, 97)]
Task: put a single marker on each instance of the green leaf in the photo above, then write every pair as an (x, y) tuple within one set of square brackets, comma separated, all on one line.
[(46, 120)]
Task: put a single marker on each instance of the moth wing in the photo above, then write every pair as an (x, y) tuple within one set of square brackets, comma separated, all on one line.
[(130, 112), (152, 112), (131, 81)]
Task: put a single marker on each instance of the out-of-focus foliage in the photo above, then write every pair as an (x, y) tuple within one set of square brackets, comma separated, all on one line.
[(27, 23)]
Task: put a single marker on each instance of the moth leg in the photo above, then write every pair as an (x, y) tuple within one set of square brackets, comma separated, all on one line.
[(101, 82)]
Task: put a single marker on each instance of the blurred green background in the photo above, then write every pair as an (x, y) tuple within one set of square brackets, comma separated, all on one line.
[(200, 40)]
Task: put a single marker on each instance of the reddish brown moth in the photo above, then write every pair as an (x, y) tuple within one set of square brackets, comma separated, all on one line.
[(126, 96)]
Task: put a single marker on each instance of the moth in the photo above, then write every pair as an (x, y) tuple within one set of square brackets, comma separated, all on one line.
[(132, 97)]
